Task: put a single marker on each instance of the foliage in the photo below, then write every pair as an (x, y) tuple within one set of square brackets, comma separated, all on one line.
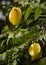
[(15, 40)]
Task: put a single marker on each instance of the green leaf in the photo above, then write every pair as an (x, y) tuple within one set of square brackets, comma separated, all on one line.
[(40, 62), (29, 21), (37, 13), (14, 62), (2, 56), (28, 11)]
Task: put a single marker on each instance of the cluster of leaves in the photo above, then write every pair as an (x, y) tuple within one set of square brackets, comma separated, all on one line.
[(15, 40)]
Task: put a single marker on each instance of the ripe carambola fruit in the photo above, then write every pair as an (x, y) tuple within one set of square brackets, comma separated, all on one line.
[(35, 51), (15, 16)]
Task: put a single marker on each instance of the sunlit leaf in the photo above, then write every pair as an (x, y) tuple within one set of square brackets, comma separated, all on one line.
[(38, 11), (28, 11)]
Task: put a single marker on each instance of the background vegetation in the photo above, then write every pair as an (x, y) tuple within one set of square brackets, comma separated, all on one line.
[(15, 40)]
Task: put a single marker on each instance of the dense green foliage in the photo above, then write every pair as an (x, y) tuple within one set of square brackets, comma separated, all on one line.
[(15, 40)]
